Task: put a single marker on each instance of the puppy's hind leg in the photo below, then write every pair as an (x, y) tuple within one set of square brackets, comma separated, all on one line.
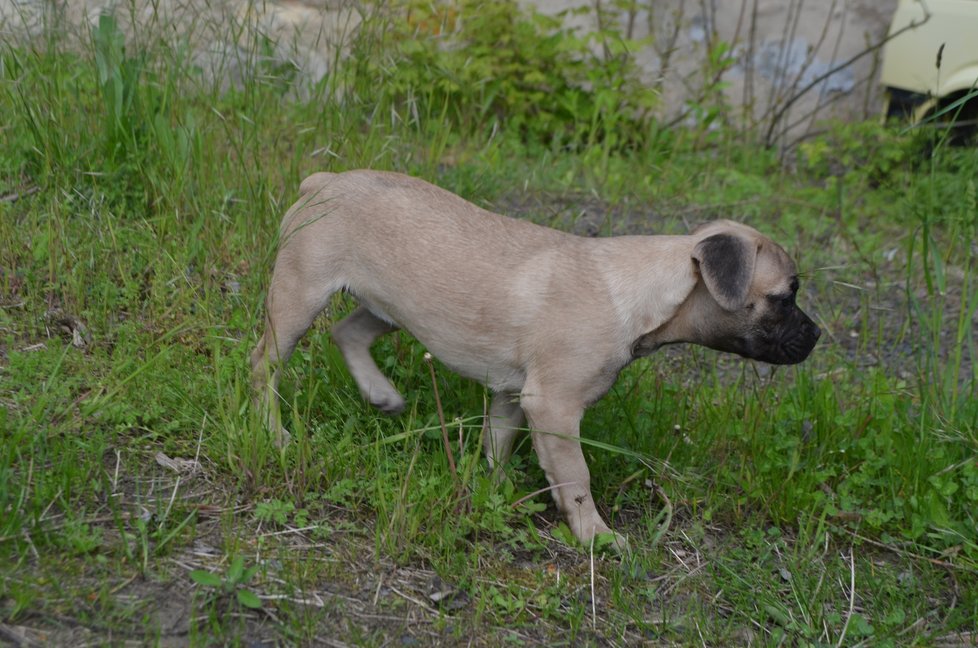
[(354, 335), (505, 420), (289, 312)]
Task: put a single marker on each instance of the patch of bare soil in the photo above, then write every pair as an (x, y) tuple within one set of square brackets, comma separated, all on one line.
[(332, 589), (328, 590)]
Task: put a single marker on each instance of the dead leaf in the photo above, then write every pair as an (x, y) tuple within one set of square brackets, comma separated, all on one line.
[(183, 466)]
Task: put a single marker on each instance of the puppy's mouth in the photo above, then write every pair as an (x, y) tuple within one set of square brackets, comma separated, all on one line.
[(789, 345)]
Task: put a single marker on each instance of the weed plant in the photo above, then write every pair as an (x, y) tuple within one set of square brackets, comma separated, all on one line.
[(829, 503)]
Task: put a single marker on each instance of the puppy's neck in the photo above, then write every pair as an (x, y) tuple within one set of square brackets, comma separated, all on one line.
[(646, 294)]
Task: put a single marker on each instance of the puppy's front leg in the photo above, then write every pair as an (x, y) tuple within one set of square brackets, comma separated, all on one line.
[(554, 426)]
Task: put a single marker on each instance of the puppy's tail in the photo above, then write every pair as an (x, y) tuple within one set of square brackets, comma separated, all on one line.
[(314, 183), (312, 193)]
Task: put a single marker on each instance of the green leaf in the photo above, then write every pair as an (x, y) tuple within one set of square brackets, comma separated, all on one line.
[(40, 245), (779, 615), (205, 578), (248, 574), (860, 627), (896, 617), (249, 599), (531, 506), (563, 533), (236, 570)]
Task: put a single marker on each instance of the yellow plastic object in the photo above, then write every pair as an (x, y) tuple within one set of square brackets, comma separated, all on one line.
[(910, 59)]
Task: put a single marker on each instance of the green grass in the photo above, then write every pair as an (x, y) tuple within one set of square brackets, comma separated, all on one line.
[(831, 503)]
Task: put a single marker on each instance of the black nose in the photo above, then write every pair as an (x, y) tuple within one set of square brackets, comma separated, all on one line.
[(816, 332)]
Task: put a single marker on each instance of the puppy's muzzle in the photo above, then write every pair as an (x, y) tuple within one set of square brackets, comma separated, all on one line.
[(791, 342)]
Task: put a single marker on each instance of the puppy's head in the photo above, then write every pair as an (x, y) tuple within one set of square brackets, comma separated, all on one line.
[(745, 300)]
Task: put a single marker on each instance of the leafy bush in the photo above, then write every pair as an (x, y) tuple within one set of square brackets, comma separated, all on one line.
[(478, 64), (867, 148)]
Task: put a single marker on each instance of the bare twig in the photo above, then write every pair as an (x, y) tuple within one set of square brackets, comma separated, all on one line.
[(27, 538), (780, 112), (313, 602), (44, 514), (410, 598), (169, 505), (810, 116), (910, 554), (14, 196), (15, 638), (665, 46), (747, 105), (441, 418), (290, 531), (115, 474), (852, 597), (200, 439), (790, 29), (380, 583), (594, 605), (668, 510), (835, 55), (542, 490), (121, 586)]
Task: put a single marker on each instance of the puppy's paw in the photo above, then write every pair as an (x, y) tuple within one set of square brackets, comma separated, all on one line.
[(281, 438), (390, 403), (498, 475), (603, 540), (612, 541)]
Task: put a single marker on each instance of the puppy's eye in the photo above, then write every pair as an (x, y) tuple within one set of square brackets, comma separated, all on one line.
[(750, 306), (782, 301)]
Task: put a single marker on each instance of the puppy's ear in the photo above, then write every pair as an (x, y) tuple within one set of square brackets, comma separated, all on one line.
[(726, 263)]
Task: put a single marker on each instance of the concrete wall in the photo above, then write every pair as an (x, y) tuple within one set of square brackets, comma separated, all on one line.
[(774, 48)]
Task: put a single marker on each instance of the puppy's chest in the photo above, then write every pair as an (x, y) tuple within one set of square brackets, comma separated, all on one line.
[(492, 363)]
